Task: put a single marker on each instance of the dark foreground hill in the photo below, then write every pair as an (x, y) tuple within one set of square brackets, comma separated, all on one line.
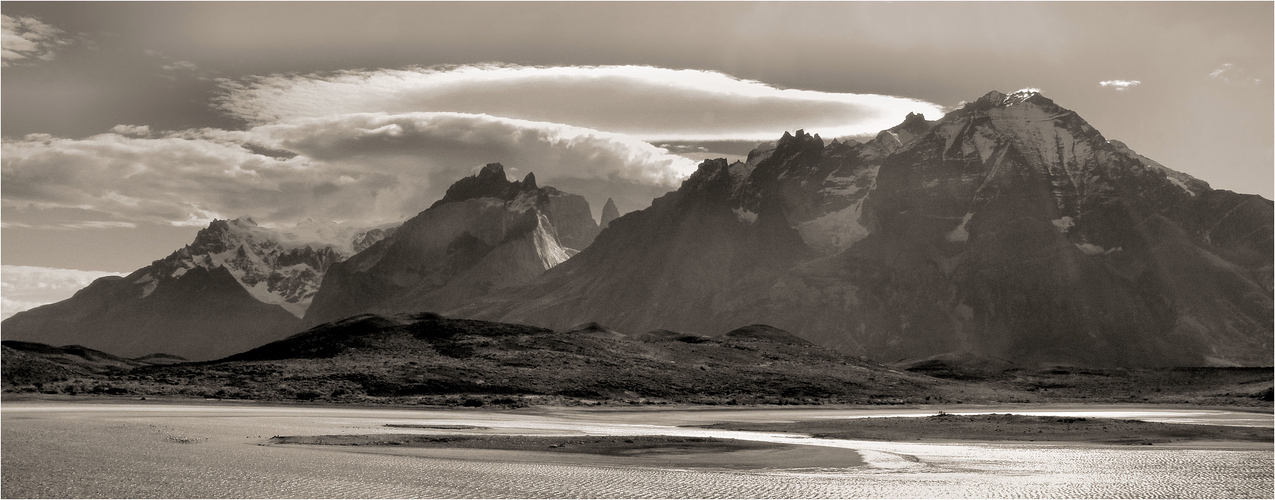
[(31, 363), (424, 355), (428, 359)]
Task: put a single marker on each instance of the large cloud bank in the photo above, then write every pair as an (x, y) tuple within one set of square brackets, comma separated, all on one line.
[(655, 104), (371, 167)]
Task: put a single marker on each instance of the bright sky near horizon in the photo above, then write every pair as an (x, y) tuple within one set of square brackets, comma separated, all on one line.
[(127, 126)]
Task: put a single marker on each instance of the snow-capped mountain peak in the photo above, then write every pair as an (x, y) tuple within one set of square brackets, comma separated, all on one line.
[(997, 99), (283, 267)]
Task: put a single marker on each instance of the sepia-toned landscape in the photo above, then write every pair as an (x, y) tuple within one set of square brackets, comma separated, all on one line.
[(638, 250)]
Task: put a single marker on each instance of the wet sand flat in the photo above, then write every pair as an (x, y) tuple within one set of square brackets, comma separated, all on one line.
[(997, 427), (178, 451), (641, 451)]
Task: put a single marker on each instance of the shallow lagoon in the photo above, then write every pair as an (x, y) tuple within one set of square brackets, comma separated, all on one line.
[(61, 449)]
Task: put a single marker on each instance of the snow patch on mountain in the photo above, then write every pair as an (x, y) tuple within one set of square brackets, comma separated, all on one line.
[(148, 283), (548, 250), (960, 233), (835, 231), (1092, 249)]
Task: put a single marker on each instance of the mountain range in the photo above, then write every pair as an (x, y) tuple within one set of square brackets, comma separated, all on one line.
[(1009, 228), (236, 286)]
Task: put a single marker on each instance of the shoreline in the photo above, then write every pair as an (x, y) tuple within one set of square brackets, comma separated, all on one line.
[(12, 397)]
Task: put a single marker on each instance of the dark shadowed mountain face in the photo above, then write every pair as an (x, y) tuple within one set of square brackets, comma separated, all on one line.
[(238, 285), (204, 314), (1008, 228), (486, 233)]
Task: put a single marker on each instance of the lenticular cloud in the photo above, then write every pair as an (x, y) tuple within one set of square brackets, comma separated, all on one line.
[(645, 102)]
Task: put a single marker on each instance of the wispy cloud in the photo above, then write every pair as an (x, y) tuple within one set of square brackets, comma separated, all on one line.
[(173, 68), (641, 101), (88, 224), (372, 167), (27, 287), (1120, 85), (1230, 73), (25, 39), (181, 66)]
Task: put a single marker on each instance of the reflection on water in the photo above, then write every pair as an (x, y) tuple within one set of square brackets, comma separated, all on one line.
[(214, 451)]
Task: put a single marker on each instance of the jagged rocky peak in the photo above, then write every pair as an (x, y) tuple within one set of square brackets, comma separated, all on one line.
[(220, 233), (799, 141), (489, 182), (915, 123), (486, 232), (895, 138), (609, 213)]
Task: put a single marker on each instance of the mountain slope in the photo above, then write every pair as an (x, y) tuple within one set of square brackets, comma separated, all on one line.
[(1009, 228), (238, 285), (487, 232)]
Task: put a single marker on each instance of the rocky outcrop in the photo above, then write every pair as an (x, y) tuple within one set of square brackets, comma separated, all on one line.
[(1009, 228), (609, 213), (486, 233)]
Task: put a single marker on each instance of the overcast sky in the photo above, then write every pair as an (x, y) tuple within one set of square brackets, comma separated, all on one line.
[(127, 126)]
